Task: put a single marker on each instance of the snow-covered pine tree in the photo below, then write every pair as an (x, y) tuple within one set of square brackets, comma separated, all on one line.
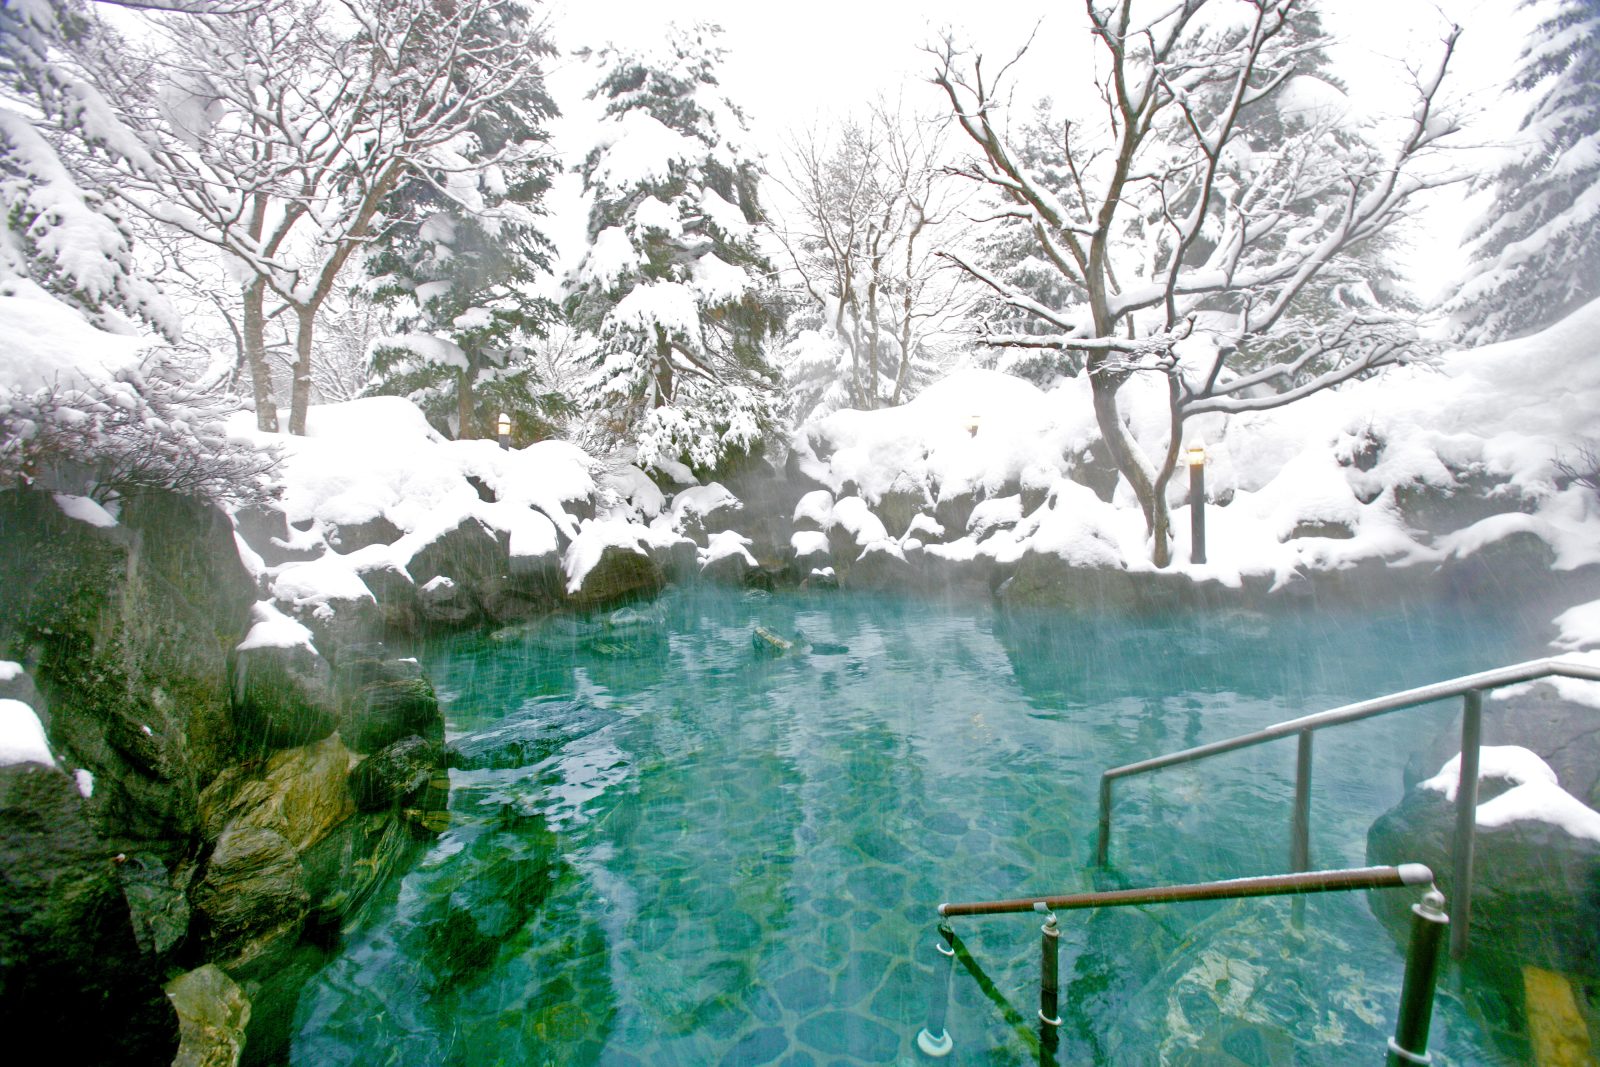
[(459, 258), (674, 283), (1535, 253), (58, 232)]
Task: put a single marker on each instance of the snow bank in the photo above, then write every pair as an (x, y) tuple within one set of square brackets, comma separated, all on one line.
[(84, 509), (271, 628), (48, 345), (1287, 490), (1535, 796), (377, 458)]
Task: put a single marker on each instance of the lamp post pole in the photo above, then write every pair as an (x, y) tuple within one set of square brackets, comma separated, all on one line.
[(1197, 504), (502, 427)]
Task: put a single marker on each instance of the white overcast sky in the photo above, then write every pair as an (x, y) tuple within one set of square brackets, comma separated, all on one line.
[(794, 65)]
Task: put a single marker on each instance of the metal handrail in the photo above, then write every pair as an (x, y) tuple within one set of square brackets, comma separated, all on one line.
[(1409, 1045), (1269, 885), (1470, 687)]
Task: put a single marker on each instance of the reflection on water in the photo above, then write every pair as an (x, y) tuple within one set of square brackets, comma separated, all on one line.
[(673, 850)]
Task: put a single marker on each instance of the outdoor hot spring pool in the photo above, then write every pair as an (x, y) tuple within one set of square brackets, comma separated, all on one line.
[(712, 857)]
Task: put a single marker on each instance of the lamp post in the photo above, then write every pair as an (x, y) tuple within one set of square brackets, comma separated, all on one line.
[(1197, 504), (502, 427)]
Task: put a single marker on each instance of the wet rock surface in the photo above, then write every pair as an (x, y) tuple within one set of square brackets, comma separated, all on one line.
[(620, 575), (383, 699), (283, 697), (213, 1012), (1534, 898), (395, 773)]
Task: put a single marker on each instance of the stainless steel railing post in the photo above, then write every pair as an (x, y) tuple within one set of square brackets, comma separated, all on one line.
[(1102, 850), (1300, 827), (933, 1039), (1049, 977), (1466, 822), (1049, 994), (1410, 1042)]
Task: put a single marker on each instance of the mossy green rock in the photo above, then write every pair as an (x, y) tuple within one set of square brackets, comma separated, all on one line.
[(126, 631), (212, 1015), (252, 897), (382, 700), (395, 772), (283, 697)]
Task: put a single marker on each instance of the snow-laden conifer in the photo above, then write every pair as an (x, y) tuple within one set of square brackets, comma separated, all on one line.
[(674, 283), (1535, 253)]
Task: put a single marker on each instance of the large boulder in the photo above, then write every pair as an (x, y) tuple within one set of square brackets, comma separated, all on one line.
[(212, 1015), (395, 773), (620, 575), (126, 630), (383, 700), (1536, 861), (282, 697), (71, 972), (298, 793), (396, 595), (252, 899), (467, 553), (880, 566), (354, 536), (443, 601)]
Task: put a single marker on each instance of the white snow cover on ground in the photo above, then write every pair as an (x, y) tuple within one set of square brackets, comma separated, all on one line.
[(84, 509), (271, 628), (1536, 796), (22, 737)]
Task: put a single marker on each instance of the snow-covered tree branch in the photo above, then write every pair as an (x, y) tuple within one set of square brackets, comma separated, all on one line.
[(868, 209)]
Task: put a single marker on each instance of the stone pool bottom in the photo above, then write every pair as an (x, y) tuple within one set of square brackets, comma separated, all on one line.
[(712, 856)]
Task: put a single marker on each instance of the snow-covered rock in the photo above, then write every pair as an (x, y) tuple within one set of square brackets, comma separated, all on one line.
[(1536, 859)]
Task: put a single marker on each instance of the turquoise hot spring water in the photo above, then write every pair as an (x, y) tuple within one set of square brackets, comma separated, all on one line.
[(707, 856)]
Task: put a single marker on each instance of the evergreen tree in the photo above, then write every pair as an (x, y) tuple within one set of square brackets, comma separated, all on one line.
[(1535, 254), (674, 284), (58, 231), (460, 257)]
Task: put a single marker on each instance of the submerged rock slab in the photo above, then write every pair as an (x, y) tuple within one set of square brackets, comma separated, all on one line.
[(212, 1015)]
